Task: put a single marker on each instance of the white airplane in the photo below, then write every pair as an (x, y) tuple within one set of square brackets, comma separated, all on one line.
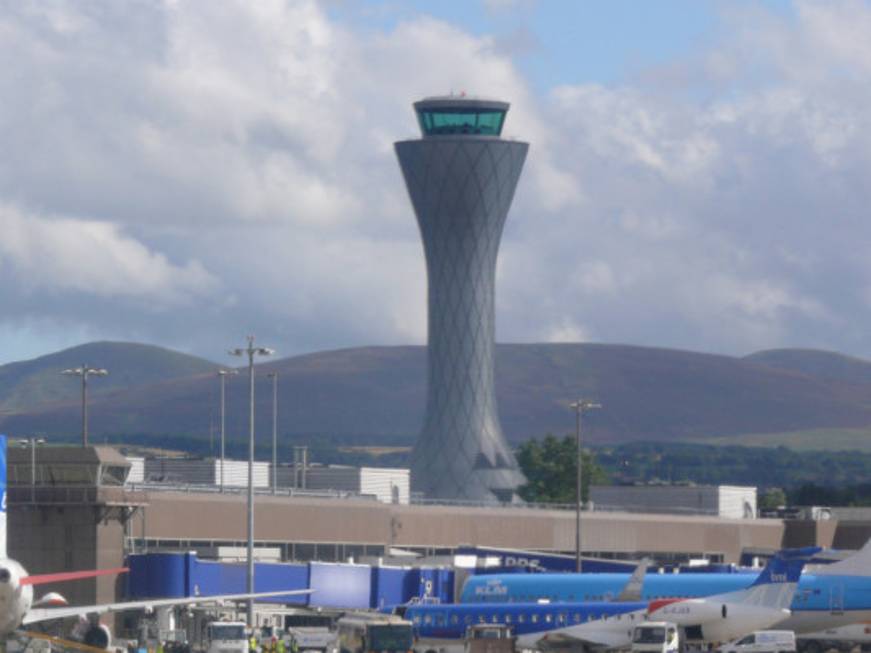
[(609, 624), (17, 607), (723, 617)]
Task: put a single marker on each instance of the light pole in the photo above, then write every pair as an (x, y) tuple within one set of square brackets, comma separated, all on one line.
[(274, 377), (84, 371), (580, 406), (251, 351), (32, 442), (222, 375)]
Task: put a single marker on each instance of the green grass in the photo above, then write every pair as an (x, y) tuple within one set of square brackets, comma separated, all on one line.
[(810, 440)]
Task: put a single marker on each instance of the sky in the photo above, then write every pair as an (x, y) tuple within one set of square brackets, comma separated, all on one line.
[(186, 173)]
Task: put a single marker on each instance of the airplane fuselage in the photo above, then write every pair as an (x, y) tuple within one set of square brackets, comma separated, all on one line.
[(821, 601), (15, 598)]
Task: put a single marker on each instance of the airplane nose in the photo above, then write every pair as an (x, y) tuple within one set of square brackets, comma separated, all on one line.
[(5, 575)]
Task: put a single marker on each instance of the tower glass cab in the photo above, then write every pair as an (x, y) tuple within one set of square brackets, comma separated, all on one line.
[(457, 115)]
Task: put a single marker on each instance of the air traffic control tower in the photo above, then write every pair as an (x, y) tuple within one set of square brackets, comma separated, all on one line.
[(461, 177)]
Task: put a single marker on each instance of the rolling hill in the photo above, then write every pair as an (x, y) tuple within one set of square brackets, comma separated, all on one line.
[(376, 394), (26, 386)]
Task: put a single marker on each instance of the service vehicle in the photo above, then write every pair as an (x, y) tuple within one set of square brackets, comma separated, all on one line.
[(227, 637), (763, 641), (490, 638), (655, 637), (382, 634), (310, 632)]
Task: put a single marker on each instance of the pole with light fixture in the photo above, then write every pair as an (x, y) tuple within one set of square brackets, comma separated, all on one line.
[(222, 375), (580, 406), (274, 377), (84, 371), (251, 351)]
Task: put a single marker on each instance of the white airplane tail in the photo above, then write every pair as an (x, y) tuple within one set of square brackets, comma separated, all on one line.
[(2, 496), (776, 585), (858, 564)]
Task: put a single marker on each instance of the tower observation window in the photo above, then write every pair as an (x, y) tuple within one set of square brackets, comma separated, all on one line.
[(437, 122)]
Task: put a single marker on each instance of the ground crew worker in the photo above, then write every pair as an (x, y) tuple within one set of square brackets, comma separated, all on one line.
[(279, 646), (294, 647), (252, 644)]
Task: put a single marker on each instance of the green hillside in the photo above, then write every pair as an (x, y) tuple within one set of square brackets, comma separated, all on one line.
[(27, 385), (825, 365), (376, 395)]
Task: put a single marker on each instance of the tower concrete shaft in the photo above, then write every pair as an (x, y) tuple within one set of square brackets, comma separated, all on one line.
[(461, 178)]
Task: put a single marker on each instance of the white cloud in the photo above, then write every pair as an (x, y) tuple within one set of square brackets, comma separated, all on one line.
[(234, 160), (38, 253)]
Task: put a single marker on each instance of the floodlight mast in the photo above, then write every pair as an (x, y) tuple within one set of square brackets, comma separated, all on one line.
[(251, 351), (580, 406), (84, 371), (222, 375), (274, 377)]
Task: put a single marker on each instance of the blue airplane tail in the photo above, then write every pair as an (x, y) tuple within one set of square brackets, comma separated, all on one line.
[(2, 496), (786, 566)]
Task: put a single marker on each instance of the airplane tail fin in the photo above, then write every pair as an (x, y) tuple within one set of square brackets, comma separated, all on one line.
[(632, 590), (775, 586), (786, 566), (858, 564), (2, 496)]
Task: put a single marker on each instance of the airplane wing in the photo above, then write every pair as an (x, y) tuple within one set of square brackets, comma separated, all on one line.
[(48, 614), (589, 638), (600, 633)]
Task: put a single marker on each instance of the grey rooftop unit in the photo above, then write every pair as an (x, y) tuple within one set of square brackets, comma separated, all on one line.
[(461, 177)]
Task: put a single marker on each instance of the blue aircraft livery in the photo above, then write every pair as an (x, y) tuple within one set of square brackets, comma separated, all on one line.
[(610, 623), (833, 595), (2, 496), (530, 622)]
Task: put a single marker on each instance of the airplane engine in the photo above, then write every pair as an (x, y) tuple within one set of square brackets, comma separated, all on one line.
[(98, 636)]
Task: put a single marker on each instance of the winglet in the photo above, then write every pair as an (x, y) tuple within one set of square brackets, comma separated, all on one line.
[(632, 590)]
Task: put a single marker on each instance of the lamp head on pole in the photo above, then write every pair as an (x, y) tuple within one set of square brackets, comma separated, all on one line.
[(84, 370), (582, 405)]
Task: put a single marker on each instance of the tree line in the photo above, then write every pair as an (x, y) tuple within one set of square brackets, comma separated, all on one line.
[(781, 474)]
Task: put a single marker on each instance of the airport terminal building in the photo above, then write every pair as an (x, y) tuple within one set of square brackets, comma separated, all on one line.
[(80, 514)]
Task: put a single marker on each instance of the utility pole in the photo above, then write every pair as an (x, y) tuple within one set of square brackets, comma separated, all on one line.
[(580, 406)]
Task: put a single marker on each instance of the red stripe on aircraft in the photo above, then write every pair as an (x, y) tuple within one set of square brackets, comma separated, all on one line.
[(661, 603), (42, 579)]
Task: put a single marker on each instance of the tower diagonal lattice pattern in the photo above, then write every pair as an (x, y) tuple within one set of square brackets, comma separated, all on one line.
[(461, 178)]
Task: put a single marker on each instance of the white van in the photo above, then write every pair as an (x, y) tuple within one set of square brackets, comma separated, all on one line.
[(763, 641), (655, 637)]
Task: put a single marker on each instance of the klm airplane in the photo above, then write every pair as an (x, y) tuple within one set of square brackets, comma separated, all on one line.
[(609, 624), (828, 596)]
